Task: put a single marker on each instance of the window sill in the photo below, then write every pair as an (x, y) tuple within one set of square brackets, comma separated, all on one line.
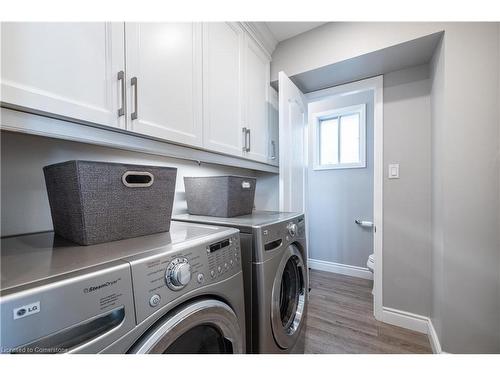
[(340, 166)]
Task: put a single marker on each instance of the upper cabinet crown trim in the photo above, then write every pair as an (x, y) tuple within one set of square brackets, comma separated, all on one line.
[(262, 35)]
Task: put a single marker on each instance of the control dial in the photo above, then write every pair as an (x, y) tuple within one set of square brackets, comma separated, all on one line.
[(178, 273), (292, 229)]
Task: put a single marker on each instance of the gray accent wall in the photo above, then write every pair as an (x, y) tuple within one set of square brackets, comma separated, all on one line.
[(464, 292), (24, 202), (465, 146), (336, 197), (407, 200)]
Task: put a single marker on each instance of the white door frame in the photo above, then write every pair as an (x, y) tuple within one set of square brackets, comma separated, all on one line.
[(375, 84)]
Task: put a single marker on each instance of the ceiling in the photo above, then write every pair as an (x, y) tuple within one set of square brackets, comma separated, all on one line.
[(286, 30)]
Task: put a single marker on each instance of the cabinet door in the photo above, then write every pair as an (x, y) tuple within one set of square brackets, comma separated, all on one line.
[(222, 87), (257, 74), (65, 69), (273, 127), (164, 80)]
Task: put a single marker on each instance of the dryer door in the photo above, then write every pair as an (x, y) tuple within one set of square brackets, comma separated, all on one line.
[(288, 298), (206, 326)]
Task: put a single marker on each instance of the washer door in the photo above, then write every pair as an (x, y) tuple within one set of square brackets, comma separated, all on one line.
[(288, 298), (203, 327)]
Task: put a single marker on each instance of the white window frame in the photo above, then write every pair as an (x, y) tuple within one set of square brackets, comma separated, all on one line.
[(326, 115)]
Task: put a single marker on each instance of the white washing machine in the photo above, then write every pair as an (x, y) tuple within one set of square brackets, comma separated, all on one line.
[(175, 292), (274, 255)]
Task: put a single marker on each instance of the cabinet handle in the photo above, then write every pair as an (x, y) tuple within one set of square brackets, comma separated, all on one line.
[(121, 77), (244, 133), (135, 114), (273, 146), (249, 141)]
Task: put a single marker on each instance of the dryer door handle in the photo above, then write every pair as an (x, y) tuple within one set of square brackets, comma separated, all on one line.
[(71, 337), (273, 245)]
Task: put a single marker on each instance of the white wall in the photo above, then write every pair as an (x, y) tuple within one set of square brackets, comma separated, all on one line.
[(267, 191), (339, 196), (407, 200), (24, 202)]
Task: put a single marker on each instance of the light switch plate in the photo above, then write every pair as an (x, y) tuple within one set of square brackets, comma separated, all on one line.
[(393, 171)]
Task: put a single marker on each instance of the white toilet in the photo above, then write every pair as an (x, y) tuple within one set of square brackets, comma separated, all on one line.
[(370, 263)]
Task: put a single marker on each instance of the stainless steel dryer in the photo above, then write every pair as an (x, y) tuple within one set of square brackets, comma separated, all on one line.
[(274, 255), (176, 292)]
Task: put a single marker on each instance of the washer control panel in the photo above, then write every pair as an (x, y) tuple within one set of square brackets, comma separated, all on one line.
[(167, 275), (223, 257)]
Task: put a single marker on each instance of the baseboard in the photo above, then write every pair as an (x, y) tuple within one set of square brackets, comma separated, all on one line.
[(405, 319), (343, 269), (434, 339), (414, 322)]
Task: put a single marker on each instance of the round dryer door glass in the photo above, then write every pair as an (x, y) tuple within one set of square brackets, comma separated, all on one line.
[(203, 339), (288, 298), (205, 326)]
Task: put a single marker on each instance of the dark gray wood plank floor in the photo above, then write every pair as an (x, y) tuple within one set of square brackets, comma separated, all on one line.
[(340, 320)]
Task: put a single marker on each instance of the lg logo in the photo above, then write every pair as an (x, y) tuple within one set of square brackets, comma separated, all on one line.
[(26, 310), (21, 312)]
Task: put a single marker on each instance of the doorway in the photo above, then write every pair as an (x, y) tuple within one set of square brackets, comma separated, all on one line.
[(297, 157), (344, 181), (340, 183)]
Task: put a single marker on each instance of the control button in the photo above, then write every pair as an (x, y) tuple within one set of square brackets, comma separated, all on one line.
[(219, 269), (201, 278), (154, 300), (212, 274)]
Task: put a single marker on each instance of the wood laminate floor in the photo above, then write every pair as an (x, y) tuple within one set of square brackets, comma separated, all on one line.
[(340, 320)]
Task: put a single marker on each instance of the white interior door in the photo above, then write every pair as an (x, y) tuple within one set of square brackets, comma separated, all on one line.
[(292, 145), (164, 72), (65, 69)]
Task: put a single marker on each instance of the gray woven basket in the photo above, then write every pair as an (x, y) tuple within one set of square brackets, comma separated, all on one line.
[(94, 202), (222, 196)]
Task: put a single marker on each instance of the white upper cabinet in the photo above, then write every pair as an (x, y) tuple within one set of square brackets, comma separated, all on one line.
[(64, 69), (257, 72), (222, 87), (201, 85), (164, 76)]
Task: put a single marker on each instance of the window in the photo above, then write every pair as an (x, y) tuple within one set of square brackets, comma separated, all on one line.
[(341, 138)]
